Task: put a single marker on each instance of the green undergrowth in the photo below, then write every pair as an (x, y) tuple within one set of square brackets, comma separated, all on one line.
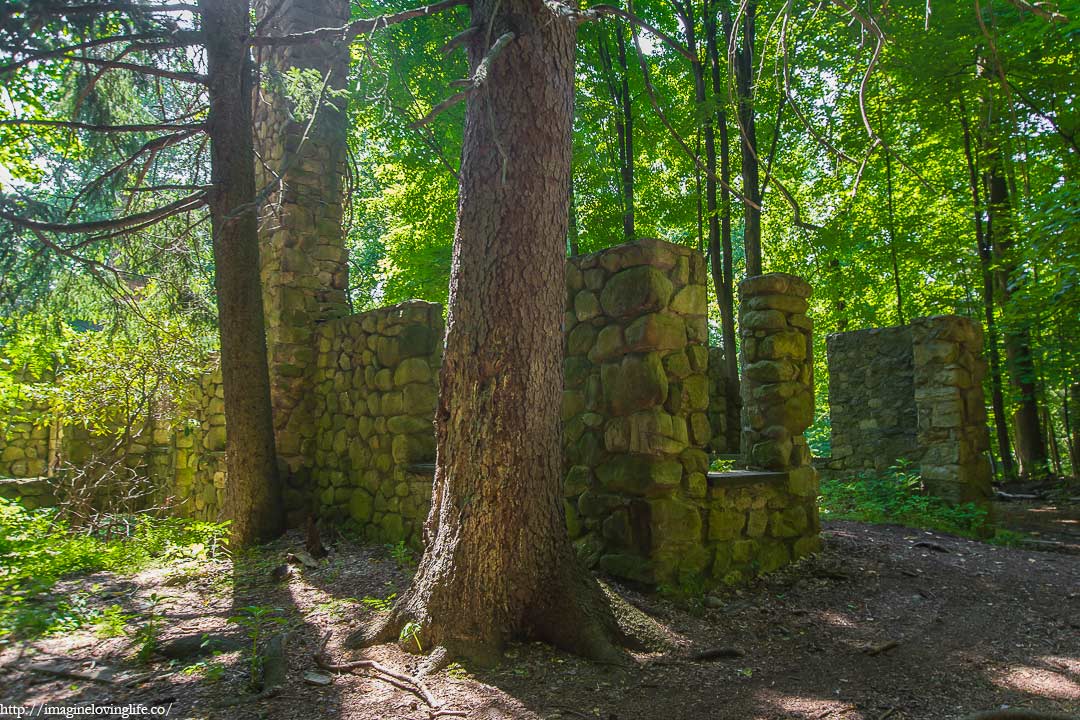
[(37, 549), (897, 497)]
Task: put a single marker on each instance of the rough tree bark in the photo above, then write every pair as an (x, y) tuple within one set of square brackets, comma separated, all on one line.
[(498, 563), (253, 493)]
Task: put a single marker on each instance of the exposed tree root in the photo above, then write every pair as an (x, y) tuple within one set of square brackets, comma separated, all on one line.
[(401, 681), (586, 618)]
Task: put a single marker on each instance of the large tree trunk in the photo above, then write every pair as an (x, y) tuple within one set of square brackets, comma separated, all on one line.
[(498, 563), (253, 493)]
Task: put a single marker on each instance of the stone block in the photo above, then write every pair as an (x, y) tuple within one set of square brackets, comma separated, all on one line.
[(725, 524), (690, 301), (639, 475), (586, 305), (655, 331), (580, 339), (412, 370), (637, 383), (673, 522), (634, 291)]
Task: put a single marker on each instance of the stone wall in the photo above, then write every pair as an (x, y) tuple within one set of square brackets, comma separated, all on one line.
[(25, 441), (952, 432), (723, 408), (197, 480), (302, 249), (634, 409), (376, 387), (872, 395), (913, 393)]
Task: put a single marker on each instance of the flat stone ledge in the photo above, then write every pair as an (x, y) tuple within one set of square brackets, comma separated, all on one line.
[(742, 478)]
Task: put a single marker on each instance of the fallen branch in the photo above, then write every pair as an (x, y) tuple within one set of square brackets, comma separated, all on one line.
[(356, 27), (401, 681), (473, 84), (932, 546)]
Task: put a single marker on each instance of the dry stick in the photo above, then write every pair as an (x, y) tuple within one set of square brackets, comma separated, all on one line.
[(823, 141), (477, 81), (45, 54), (356, 27), (408, 683), (149, 127), (871, 26), (143, 69), (122, 223)]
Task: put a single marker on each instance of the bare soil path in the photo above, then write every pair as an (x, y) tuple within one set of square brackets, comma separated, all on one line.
[(887, 623)]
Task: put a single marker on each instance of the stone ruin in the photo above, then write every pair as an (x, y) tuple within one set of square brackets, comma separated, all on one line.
[(354, 396), (640, 501), (913, 393)]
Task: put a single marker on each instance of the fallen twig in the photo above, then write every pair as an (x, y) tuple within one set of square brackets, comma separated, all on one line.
[(932, 546), (404, 682)]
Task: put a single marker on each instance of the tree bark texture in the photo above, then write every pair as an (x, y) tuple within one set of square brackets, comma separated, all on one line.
[(498, 563), (252, 493)]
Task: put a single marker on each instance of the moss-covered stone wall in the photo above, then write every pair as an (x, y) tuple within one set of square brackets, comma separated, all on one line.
[(914, 393), (195, 484), (953, 436), (375, 389), (304, 265), (872, 396), (634, 409), (26, 441)]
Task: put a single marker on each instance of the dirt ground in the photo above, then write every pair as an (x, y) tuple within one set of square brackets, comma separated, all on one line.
[(887, 623)]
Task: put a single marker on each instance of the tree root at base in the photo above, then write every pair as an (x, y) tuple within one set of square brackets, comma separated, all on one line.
[(401, 681)]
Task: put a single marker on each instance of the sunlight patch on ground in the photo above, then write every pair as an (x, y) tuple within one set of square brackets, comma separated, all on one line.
[(1041, 681), (837, 619), (796, 706)]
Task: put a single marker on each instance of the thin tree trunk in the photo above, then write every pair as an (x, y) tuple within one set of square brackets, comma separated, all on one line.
[(727, 297), (253, 491), (744, 79), (1072, 428), (892, 241), (997, 396), (498, 563), (619, 91), (1030, 446), (1051, 441), (628, 123)]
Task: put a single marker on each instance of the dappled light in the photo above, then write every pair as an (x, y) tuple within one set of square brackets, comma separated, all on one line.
[(539, 359)]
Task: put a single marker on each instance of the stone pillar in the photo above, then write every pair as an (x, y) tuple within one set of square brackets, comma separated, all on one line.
[(634, 410), (304, 265), (952, 433), (778, 372)]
